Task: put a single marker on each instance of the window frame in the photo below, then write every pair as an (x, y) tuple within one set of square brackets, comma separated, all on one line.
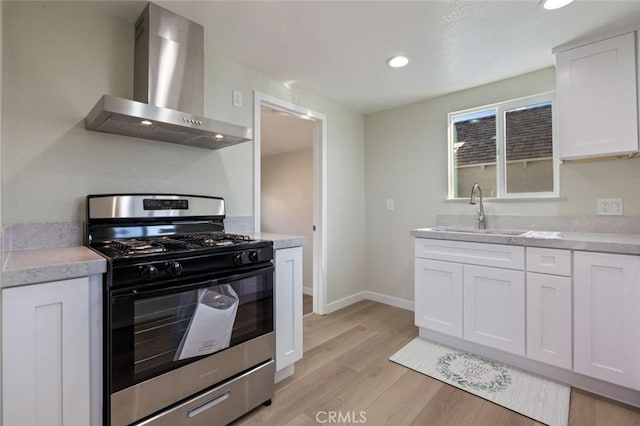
[(501, 161)]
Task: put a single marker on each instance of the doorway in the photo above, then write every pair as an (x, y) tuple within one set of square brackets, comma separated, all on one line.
[(290, 183)]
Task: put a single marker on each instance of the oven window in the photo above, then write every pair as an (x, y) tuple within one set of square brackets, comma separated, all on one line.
[(152, 335)]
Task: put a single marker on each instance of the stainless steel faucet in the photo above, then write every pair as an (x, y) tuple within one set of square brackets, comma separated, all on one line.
[(472, 200)]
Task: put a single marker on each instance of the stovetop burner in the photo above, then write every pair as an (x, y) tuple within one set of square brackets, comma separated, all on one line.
[(135, 246), (222, 239), (142, 246), (160, 238)]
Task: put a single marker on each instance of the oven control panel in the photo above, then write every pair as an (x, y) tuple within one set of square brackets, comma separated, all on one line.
[(162, 204), (186, 266)]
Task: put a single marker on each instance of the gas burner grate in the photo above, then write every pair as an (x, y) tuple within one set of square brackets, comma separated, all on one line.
[(173, 244), (217, 239), (133, 246)]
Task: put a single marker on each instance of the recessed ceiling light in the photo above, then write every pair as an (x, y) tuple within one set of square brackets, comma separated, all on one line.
[(146, 123), (397, 61), (219, 136), (554, 4)]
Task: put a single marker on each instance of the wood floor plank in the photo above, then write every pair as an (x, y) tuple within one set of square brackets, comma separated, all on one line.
[(615, 414), (307, 304), (450, 406), (493, 414), (333, 328), (356, 396), (318, 356), (379, 347), (403, 400), (345, 369), (290, 401), (302, 420), (582, 409)]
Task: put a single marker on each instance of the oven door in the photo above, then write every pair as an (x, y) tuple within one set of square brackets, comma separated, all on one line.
[(148, 330)]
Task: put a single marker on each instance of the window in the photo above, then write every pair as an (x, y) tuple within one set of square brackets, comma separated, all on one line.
[(508, 148)]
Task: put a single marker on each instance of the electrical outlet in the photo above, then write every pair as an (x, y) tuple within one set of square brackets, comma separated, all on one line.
[(610, 207), (390, 205), (237, 98)]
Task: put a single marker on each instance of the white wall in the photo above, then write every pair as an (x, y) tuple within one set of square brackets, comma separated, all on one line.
[(287, 200), (62, 56), (2, 26), (406, 159)]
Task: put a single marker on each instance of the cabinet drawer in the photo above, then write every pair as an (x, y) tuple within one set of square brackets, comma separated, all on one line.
[(223, 403), (549, 261), (498, 255)]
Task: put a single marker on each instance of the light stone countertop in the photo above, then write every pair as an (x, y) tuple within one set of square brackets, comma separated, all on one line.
[(586, 241), (281, 241), (23, 267)]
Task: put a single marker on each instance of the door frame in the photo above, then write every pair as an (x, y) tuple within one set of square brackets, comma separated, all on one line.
[(319, 186)]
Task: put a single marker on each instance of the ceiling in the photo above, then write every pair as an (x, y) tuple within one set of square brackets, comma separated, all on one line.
[(337, 49)]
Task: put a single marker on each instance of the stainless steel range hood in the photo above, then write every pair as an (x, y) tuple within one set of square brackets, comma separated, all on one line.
[(168, 80)]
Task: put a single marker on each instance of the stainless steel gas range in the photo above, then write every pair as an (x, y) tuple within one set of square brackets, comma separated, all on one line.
[(188, 311)]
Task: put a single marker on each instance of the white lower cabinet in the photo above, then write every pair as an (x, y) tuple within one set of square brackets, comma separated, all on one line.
[(549, 319), (494, 308), (288, 306), (607, 317), (46, 354), (438, 296), (575, 310), (457, 296)]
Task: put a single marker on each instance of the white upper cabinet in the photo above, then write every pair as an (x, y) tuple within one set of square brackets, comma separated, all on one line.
[(597, 99)]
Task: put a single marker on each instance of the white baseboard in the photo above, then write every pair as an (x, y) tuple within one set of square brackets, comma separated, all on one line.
[(345, 301), (390, 300), (370, 295), (307, 291)]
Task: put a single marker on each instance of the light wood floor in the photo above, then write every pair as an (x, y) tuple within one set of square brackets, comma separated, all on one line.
[(346, 369), (307, 304)]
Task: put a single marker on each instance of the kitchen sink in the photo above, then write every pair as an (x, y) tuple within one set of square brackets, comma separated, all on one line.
[(455, 229)]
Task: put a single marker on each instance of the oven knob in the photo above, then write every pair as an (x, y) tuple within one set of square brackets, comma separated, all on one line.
[(237, 258), (174, 268), (149, 272), (253, 256)]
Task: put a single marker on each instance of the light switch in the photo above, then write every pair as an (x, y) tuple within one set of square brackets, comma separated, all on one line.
[(390, 205), (237, 98)]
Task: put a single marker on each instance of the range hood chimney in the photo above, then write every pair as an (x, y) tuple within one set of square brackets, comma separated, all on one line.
[(168, 88)]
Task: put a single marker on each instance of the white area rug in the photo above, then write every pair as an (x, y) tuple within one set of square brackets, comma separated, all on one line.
[(529, 395)]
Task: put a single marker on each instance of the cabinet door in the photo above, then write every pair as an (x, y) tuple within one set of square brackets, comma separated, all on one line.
[(597, 107), (438, 296), (494, 308), (549, 319), (45, 354), (607, 317), (288, 306)]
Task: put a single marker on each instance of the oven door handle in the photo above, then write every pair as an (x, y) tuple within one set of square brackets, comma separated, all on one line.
[(252, 273), (133, 293)]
